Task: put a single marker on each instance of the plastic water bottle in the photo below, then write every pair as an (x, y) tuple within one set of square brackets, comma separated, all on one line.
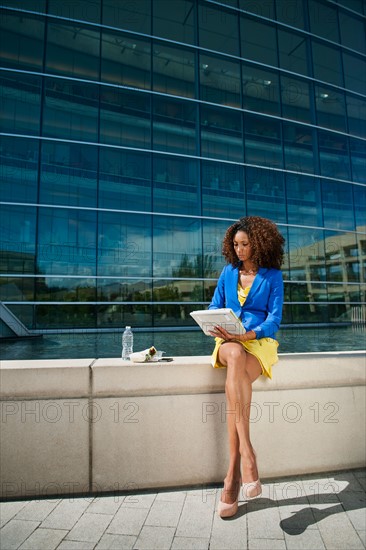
[(127, 343)]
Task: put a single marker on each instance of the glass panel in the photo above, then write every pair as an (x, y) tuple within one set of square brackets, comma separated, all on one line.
[(323, 20), (223, 193), (291, 12), (326, 63), (298, 144), (218, 29), (265, 8), (356, 110), (20, 98), (65, 316), (306, 254), (124, 290), (173, 70), (263, 141), (17, 246), (174, 20), (18, 169), (123, 14), (342, 263), (66, 242), (354, 73), (174, 125), (134, 315), (16, 289), (353, 32), (21, 41), (338, 205), (333, 152), (177, 245), (355, 5), (125, 118), (124, 179), (260, 90), (303, 200), (253, 46), (70, 110), (292, 52), (219, 80), (178, 291), (176, 187), (124, 244), (358, 160), (32, 5), (62, 289), (126, 60), (76, 9), (359, 197), (213, 235), (72, 51), (221, 134), (295, 99), (330, 108), (68, 174), (309, 292), (265, 194)]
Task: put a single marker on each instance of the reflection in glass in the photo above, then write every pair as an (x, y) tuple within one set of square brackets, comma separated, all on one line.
[(124, 117), (174, 20), (298, 145), (124, 290), (124, 179), (356, 111), (72, 51), (62, 289), (326, 63), (66, 242), (16, 289), (177, 247), (265, 8), (86, 11), (32, 5), (353, 32), (292, 52), (333, 152), (221, 134), (125, 60), (174, 125), (323, 20), (303, 200), (213, 260), (223, 193), (173, 70), (68, 174), (124, 244), (65, 316), (260, 90), (177, 290), (354, 73), (291, 13), (338, 205), (117, 316), (295, 99), (218, 29), (175, 185), (18, 169), (70, 110), (306, 254), (265, 194), (17, 245), (330, 108), (262, 141), (219, 80), (134, 16), (358, 160), (22, 38), (20, 102), (253, 46)]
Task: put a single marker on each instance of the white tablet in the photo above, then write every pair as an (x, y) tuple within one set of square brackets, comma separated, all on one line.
[(223, 317)]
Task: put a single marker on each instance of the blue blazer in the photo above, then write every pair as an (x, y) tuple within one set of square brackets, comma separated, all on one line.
[(262, 310)]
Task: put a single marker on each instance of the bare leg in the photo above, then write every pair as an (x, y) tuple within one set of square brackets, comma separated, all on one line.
[(242, 370)]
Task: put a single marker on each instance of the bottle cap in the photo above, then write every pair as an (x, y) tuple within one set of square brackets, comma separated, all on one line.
[(128, 327)]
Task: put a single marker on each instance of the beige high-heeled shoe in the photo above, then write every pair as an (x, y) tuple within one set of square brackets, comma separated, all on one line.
[(252, 489), (225, 510)]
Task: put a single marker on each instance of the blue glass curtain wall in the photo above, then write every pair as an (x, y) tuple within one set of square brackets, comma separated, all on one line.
[(134, 134)]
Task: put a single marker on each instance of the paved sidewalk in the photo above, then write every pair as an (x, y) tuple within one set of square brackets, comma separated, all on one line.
[(311, 512)]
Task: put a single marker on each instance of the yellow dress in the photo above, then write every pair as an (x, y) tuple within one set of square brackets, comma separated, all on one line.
[(264, 349)]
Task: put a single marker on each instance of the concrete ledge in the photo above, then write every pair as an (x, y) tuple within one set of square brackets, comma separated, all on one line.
[(82, 426)]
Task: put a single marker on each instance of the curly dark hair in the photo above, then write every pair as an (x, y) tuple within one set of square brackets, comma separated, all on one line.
[(264, 238)]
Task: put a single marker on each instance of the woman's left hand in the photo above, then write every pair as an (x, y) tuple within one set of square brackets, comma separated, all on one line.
[(220, 332)]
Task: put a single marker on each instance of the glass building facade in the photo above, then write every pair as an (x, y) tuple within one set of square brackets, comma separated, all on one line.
[(134, 133)]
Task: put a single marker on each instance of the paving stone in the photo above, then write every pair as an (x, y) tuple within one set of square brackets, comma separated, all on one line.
[(171, 496), (288, 490), (267, 544), (336, 530), (128, 521), (229, 532), (139, 501), (76, 545), (347, 479), (66, 514), (155, 538), (90, 527), (296, 516), (116, 542), (44, 539), (14, 533), (354, 504), (197, 515), (263, 521), (362, 535), (105, 505), (9, 509), (37, 510), (190, 543), (323, 491), (163, 513), (310, 538)]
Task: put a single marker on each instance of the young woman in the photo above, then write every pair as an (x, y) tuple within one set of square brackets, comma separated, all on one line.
[(252, 286)]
